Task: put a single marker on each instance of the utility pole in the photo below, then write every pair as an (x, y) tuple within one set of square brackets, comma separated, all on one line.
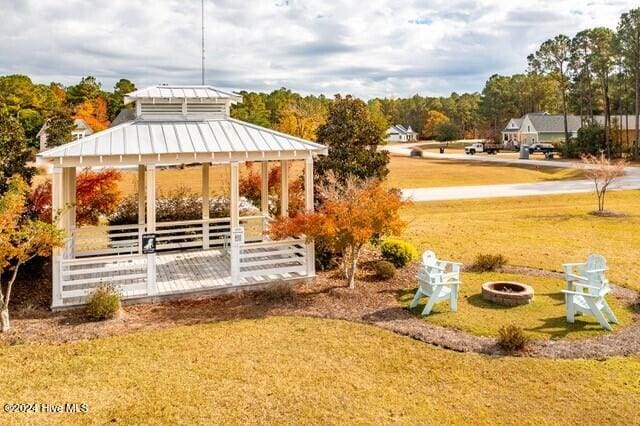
[(202, 13)]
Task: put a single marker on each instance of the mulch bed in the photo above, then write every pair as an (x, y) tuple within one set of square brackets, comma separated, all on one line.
[(372, 302)]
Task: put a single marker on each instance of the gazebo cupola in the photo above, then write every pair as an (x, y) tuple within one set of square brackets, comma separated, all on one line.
[(176, 125), (182, 102)]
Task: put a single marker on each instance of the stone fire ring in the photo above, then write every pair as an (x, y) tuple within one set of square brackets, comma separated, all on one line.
[(507, 293)]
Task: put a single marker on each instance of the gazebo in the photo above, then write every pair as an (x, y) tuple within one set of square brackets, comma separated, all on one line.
[(177, 125)]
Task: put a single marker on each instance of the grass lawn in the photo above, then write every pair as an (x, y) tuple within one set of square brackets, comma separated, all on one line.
[(302, 370), (542, 319), (540, 232), (408, 172)]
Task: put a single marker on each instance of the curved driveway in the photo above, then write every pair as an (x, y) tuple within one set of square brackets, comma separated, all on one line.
[(631, 180)]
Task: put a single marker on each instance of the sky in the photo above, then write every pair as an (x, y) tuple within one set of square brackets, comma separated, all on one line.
[(370, 48)]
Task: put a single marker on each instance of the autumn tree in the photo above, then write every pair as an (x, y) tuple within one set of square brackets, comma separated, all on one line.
[(97, 194), (21, 240), (602, 171), (354, 213), (352, 138), (94, 112), (301, 118), (432, 120), (14, 153), (86, 90)]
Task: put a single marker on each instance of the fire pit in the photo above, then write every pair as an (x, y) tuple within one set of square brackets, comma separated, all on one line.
[(507, 293)]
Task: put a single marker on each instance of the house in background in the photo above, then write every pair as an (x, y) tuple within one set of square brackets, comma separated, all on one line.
[(81, 130), (544, 127), (399, 133)]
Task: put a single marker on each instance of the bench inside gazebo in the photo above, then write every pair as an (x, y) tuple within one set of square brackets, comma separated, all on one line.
[(178, 125)]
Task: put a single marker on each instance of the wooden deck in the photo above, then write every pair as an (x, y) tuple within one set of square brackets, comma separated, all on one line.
[(191, 271), (185, 272)]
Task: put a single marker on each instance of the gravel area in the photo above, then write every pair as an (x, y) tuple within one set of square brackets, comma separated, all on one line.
[(372, 302)]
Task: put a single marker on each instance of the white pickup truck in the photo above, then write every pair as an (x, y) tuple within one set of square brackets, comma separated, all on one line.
[(479, 147)]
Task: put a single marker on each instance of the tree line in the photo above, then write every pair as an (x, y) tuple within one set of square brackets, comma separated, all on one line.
[(597, 72)]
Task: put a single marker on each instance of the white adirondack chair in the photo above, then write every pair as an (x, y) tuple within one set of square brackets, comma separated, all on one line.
[(586, 289), (438, 280)]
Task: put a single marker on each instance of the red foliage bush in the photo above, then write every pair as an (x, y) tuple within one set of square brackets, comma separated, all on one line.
[(97, 193)]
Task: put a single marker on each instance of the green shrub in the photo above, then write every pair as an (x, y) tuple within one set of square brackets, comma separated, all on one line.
[(104, 303), (398, 252), (512, 338), (488, 262), (384, 270)]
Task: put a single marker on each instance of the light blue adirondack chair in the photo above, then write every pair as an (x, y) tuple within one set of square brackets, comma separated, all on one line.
[(438, 280), (586, 289)]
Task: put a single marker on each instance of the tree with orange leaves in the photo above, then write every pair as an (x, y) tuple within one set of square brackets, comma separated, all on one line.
[(94, 112), (351, 215), (97, 193)]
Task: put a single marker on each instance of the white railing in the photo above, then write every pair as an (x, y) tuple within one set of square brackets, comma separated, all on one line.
[(271, 258), (126, 239), (79, 277), (106, 240)]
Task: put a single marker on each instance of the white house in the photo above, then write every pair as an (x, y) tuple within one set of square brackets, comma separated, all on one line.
[(399, 133), (148, 260), (80, 131)]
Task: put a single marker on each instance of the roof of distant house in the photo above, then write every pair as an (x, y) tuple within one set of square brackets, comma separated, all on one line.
[(400, 129), (79, 122)]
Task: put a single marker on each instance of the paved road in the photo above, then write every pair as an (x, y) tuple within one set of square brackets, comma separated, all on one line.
[(631, 180)]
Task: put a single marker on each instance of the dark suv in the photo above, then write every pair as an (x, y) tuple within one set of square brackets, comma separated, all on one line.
[(544, 148)]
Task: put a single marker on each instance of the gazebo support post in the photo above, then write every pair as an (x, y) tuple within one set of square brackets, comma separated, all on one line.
[(205, 206), (152, 288), (264, 195), (57, 205), (69, 174), (141, 204), (308, 205), (284, 187), (234, 199)]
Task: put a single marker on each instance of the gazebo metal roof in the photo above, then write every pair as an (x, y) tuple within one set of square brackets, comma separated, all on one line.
[(171, 140), (200, 93)]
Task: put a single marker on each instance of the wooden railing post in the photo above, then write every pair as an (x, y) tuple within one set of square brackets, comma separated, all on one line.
[(152, 287), (237, 241), (205, 206)]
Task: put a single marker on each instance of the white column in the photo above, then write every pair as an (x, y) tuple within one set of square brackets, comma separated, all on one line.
[(234, 197), (57, 204), (308, 205), (284, 187), (69, 203), (205, 206), (152, 288), (264, 195), (142, 171), (235, 230)]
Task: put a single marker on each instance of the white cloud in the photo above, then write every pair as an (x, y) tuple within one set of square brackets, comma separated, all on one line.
[(372, 48)]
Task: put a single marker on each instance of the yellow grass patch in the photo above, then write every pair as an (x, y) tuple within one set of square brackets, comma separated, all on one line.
[(302, 370), (408, 172), (540, 232)]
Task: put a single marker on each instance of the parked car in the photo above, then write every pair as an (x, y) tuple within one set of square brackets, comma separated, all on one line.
[(479, 147), (543, 148)]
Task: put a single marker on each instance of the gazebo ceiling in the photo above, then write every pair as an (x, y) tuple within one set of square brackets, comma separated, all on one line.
[(165, 141)]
